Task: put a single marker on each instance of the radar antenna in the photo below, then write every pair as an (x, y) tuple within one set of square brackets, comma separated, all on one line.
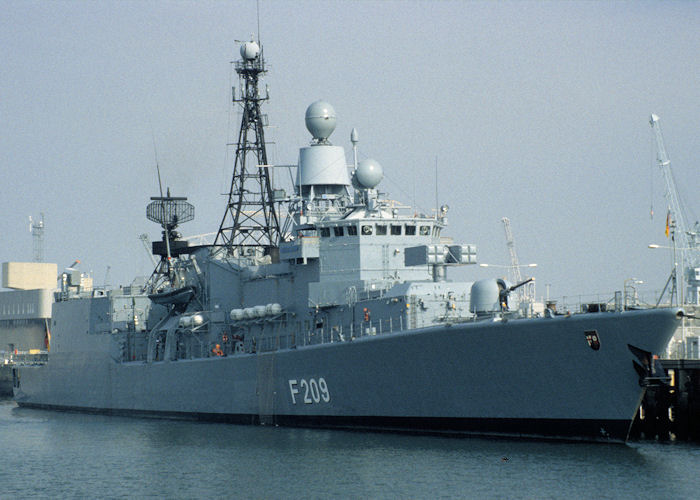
[(169, 212), (250, 219)]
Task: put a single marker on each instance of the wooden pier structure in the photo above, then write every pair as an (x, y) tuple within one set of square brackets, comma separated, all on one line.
[(671, 412)]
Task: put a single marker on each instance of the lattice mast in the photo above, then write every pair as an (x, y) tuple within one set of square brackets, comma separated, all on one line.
[(250, 219), (37, 230)]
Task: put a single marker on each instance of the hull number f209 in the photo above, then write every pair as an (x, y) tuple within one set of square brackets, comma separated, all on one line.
[(309, 391)]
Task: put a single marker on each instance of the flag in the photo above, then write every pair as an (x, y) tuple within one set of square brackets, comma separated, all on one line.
[(668, 223), (47, 335)]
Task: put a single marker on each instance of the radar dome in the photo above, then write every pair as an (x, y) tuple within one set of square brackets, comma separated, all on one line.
[(320, 120), (250, 50), (369, 173)]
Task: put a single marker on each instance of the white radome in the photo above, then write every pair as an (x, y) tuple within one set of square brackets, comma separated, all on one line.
[(250, 50), (320, 120), (369, 173)]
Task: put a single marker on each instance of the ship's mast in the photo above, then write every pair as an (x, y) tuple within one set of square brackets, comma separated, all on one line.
[(250, 219)]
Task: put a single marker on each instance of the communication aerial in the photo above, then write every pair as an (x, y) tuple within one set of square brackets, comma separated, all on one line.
[(250, 219), (37, 230)]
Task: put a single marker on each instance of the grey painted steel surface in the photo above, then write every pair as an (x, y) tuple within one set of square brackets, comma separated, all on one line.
[(350, 323), (5, 380), (530, 370)]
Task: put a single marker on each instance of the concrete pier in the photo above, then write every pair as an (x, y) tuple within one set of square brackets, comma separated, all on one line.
[(5, 380)]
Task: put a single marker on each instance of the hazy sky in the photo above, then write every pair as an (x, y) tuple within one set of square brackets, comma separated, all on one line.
[(537, 111)]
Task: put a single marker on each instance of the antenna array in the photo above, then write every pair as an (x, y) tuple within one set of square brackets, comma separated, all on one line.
[(250, 219), (37, 230)]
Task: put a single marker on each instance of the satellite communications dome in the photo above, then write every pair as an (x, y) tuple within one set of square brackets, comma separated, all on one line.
[(250, 50), (320, 120), (369, 173)]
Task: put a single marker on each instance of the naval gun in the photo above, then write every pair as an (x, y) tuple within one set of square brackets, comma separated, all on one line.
[(490, 296), (504, 292)]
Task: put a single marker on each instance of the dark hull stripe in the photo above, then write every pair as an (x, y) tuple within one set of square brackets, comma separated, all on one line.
[(558, 429)]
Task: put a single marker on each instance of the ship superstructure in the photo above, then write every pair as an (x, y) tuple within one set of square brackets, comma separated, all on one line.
[(344, 317)]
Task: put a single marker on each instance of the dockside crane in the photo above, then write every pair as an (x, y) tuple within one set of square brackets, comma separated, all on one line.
[(685, 239), (525, 294), (514, 271)]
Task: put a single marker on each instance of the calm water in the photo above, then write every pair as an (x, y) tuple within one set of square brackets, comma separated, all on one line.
[(59, 455)]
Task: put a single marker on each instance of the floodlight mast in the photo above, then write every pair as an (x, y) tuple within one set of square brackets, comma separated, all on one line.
[(250, 219)]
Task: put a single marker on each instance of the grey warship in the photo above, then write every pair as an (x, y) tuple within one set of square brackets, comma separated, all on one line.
[(331, 307)]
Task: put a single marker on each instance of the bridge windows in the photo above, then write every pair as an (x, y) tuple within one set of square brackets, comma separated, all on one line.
[(340, 231), (391, 229)]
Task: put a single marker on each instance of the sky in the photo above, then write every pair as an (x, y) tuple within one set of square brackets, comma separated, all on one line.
[(535, 111)]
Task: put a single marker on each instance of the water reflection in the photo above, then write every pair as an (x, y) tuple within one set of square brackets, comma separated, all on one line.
[(75, 454)]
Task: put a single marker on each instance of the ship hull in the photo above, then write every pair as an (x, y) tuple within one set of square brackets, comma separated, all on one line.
[(530, 378)]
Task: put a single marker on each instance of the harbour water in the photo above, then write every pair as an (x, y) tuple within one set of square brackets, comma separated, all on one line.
[(71, 455)]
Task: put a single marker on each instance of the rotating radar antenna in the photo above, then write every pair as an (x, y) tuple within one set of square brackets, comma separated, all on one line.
[(169, 212), (250, 219)]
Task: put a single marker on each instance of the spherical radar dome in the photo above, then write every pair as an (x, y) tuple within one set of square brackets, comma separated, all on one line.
[(250, 50), (320, 120), (369, 173)]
